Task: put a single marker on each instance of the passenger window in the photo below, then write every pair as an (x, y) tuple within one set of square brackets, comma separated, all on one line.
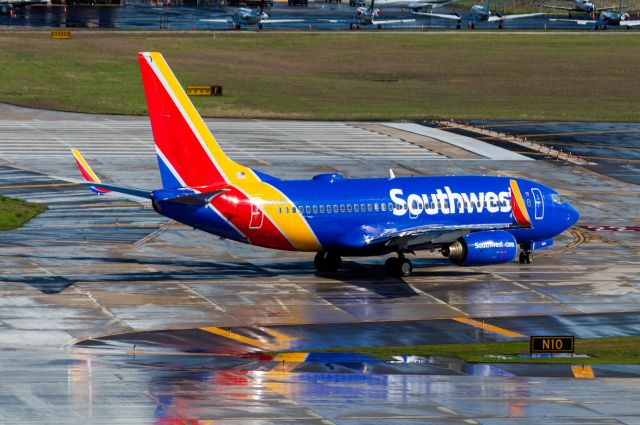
[(383, 207), (369, 207), (355, 208), (376, 207), (342, 208), (293, 209), (315, 209), (309, 209), (348, 207), (363, 208), (286, 210), (328, 209), (390, 206), (528, 202), (335, 209), (279, 210), (321, 209)]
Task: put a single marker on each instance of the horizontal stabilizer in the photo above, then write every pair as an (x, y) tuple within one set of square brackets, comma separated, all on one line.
[(197, 199), (141, 193)]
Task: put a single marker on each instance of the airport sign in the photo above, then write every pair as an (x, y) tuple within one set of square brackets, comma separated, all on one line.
[(552, 344), (204, 90)]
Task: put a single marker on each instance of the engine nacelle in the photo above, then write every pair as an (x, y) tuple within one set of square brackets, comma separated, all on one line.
[(481, 248)]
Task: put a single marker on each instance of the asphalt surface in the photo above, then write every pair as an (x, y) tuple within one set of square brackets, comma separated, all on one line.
[(110, 314), (315, 16)]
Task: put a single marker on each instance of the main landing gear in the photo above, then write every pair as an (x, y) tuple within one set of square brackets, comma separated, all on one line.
[(398, 267), (525, 257), (327, 261)]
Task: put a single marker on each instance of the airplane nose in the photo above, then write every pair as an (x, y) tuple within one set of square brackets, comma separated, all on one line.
[(572, 215)]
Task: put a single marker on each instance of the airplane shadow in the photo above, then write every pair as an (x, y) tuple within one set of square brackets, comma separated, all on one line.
[(366, 275)]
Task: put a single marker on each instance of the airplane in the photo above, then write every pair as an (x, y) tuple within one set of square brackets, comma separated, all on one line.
[(367, 15), (7, 6), (415, 5), (606, 18), (246, 16), (472, 220), (479, 13), (580, 6)]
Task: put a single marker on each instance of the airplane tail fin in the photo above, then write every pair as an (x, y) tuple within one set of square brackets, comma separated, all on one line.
[(188, 154)]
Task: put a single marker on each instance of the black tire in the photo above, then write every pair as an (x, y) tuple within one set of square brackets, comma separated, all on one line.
[(320, 261), (405, 268), (528, 257), (259, 26), (391, 266), (333, 262), (522, 257)]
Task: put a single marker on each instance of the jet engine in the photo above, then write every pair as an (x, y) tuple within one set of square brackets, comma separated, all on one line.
[(480, 248)]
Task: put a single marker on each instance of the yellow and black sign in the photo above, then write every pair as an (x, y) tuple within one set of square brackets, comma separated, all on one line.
[(204, 90), (60, 34), (552, 344)]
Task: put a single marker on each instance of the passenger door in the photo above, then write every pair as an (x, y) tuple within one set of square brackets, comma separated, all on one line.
[(538, 202)]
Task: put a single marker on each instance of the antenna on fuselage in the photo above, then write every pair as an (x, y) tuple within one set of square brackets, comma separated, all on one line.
[(391, 174)]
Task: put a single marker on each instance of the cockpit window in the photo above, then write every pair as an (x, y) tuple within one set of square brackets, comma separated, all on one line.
[(557, 198)]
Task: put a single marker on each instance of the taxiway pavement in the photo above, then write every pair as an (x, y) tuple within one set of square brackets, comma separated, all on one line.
[(105, 270)]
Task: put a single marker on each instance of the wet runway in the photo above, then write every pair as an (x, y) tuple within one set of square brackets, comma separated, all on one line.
[(91, 277), (146, 16)]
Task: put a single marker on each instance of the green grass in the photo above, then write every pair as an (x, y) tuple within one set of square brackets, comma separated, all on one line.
[(620, 350), (350, 76), (15, 213)]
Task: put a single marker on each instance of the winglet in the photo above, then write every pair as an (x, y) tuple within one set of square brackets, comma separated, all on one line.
[(88, 173), (518, 207)]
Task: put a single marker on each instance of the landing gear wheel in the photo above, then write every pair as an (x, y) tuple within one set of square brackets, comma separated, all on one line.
[(500, 26), (525, 257), (458, 26), (398, 267), (259, 26), (405, 267), (327, 261), (390, 266)]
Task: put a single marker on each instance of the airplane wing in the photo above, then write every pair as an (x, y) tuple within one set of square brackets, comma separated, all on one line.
[(217, 20), (338, 21), (576, 21), (629, 23), (434, 4), (440, 15), (430, 234), (281, 21), (392, 21), (509, 17), (559, 7), (95, 185)]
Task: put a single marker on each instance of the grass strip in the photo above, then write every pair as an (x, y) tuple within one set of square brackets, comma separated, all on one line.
[(617, 350), (14, 213), (337, 76)]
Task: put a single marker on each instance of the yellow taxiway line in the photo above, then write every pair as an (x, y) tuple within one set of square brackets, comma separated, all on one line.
[(582, 372), (237, 337), (488, 327)]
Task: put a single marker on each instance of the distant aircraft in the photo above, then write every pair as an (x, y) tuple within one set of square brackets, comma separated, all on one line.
[(7, 6), (415, 5), (472, 220), (246, 16), (368, 15), (479, 13), (580, 6), (606, 18)]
